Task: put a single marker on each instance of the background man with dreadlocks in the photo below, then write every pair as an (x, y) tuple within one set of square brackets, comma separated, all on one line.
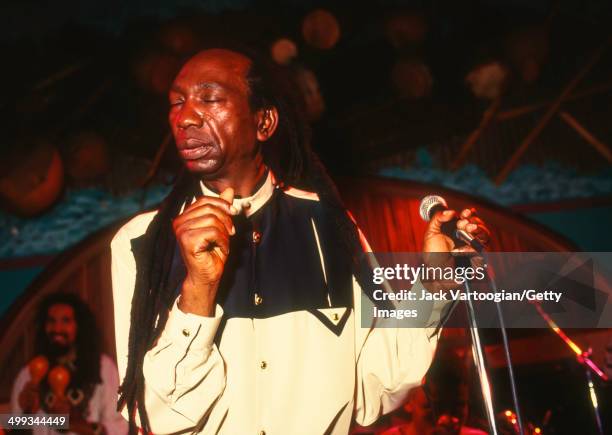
[(237, 303), (67, 336)]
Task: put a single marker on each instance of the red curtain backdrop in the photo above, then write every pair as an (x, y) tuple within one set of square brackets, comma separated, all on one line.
[(387, 211)]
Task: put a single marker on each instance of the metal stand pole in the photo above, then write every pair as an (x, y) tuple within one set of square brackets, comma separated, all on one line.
[(479, 357), (584, 358), (479, 361), (593, 396), (506, 345)]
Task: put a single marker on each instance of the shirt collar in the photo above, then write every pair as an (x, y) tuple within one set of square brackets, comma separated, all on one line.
[(249, 204)]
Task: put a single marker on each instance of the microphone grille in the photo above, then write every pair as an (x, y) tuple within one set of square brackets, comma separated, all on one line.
[(428, 203)]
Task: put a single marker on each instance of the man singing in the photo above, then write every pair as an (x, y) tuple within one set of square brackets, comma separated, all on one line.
[(67, 337), (237, 303)]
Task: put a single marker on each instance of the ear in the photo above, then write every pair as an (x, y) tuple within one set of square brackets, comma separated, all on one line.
[(267, 121)]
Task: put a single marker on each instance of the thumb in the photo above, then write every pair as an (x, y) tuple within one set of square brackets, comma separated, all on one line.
[(228, 195), (440, 218)]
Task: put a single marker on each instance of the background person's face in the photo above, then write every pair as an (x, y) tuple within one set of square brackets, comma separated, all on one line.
[(214, 127), (61, 327)]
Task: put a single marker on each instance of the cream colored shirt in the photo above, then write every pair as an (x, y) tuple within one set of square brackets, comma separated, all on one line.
[(282, 375)]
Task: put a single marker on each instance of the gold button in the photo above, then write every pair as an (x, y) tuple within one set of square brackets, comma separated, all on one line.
[(262, 432), (186, 332), (263, 365), (256, 236), (335, 316), (258, 299)]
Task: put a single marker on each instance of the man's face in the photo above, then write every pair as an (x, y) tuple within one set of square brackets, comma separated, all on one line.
[(61, 327), (214, 127)]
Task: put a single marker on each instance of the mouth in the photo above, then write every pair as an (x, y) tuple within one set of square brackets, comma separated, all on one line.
[(193, 149), (61, 339)]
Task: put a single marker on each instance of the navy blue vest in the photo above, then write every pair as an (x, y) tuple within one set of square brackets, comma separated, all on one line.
[(282, 266)]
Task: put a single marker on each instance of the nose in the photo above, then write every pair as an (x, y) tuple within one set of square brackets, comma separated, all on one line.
[(188, 117)]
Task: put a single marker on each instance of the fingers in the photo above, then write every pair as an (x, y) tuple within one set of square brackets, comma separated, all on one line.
[(444, 216), (220, 202), (220, 221), (473, 225), (203, 240), (482, 233), (207, 214), (438, 219), (221, 207), (206, 206), (227, 195), (467, 212), (479, 232), (205, 227), (197, 226)]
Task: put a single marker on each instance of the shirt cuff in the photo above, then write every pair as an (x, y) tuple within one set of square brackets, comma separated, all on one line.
[(197, 332)]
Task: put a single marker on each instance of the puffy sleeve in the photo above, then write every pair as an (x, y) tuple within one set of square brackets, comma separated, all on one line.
[(390, 361), (392, 356)]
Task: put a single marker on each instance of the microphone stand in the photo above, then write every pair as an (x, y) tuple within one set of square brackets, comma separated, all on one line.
[(479, 362), (479, 357), (584, 358), (430, 205), (478, 353)]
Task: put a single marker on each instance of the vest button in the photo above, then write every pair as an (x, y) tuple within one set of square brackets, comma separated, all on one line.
[(256, 236), (257, 299), (263, 365)]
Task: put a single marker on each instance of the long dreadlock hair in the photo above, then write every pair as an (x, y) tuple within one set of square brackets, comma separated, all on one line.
[(289, 155)]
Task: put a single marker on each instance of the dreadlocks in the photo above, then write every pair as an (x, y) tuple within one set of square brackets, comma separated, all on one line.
[(289, 155)]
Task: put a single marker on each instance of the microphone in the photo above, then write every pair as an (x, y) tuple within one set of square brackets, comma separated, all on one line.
[(432, 204)]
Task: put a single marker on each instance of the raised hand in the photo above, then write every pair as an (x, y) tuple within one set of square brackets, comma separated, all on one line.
[(436, 241), (203, 231)]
